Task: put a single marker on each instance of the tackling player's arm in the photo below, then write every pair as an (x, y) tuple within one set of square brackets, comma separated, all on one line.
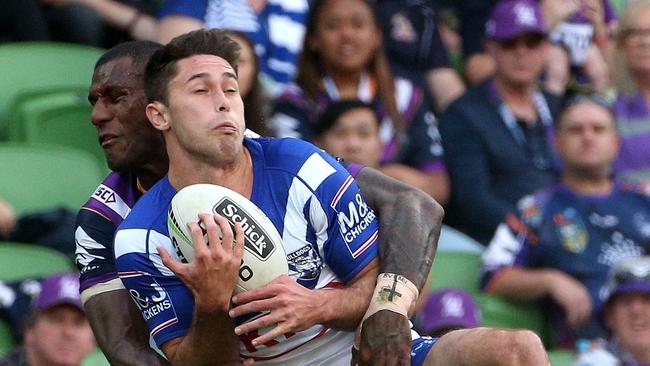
[(408, 236), (119, 328)]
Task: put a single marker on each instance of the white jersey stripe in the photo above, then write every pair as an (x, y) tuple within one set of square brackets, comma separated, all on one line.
[(315, 170), (340, 192), (108, 197), (366, 245)]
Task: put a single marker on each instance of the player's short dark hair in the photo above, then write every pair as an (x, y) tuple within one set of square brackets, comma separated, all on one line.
[(162, 64), (336, 109), (138, 51)]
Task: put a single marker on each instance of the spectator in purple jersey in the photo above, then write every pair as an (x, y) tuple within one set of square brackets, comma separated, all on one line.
[(343, 58), (562, 241), (632, 106)]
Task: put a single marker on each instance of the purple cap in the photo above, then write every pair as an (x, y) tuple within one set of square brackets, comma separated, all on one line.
[(57, 289), (511, 18), (448, 308)]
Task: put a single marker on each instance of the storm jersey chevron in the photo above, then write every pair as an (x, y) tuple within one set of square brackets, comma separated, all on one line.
[(96, 224), (328, 231)]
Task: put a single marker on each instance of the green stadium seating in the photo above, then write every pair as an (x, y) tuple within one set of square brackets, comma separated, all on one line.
[(455, 269), (20, 261), (561, 358), (60, 116), (31, 66), (36, 177)]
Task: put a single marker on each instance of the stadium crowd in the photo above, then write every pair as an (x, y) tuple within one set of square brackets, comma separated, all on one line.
[(526, 120)]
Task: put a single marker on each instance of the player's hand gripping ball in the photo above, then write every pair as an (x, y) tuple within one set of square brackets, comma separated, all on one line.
[(264, 258)]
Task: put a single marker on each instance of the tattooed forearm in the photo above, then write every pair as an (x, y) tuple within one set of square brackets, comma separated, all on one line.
[(409, 228)]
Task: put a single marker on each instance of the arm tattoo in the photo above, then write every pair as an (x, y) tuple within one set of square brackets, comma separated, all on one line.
[(410, 225)]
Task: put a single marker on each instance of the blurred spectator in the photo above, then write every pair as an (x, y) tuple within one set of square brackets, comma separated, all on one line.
[(349, 129), (58, 333), (343, 58), (496, 135), (632, 102), (52, 228), (124, 19), (446, 310), (564, 239), (99, 23), (415, 48), (627, 315), (276, 28), (581, 27)]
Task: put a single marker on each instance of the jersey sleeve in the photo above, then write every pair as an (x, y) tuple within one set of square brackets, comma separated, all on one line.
[(164, 301), (351, 224), (94, 248), (512, 242)]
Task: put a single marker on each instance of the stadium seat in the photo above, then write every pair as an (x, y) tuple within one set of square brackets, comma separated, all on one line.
[(500, 312), (60, 116), (455, 269), (44, 176), (453, 240), (561, 358), (20, 261), (32, 66), (6, 339)]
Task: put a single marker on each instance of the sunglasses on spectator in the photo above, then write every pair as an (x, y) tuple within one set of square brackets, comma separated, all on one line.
[(531, 41)]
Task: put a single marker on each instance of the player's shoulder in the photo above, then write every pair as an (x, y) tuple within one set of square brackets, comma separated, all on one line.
[(290, 153), (150, 207), (112, 199)]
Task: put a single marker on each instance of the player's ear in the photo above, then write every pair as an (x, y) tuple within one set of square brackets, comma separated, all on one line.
[(158, 115)]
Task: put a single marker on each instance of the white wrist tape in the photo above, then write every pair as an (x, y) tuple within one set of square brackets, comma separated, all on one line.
[(395, 293)]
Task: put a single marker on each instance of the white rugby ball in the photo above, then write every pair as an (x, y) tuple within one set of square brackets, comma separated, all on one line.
[(264, 258)]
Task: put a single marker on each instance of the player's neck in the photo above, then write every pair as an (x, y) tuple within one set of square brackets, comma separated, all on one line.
[(598, 183), (152, 172), (237, 175)]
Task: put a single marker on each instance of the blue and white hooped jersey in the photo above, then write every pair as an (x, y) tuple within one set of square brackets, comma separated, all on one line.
[(328, 231)]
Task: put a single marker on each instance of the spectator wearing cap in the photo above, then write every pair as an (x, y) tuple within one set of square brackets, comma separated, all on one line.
[(349, 129), (58, 333), (561, 242), (627, 315), (446, 310), (496, 135)]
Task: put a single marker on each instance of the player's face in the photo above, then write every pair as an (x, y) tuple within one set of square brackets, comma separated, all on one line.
[(354, 137), (636, 43), (118, 100), (206, 111), (60, 336), (629, 319), (586, 138), (521, 60), (346, 35), (245, 66)]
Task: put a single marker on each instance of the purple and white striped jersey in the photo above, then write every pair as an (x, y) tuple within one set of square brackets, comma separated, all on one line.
[(96, 224)]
